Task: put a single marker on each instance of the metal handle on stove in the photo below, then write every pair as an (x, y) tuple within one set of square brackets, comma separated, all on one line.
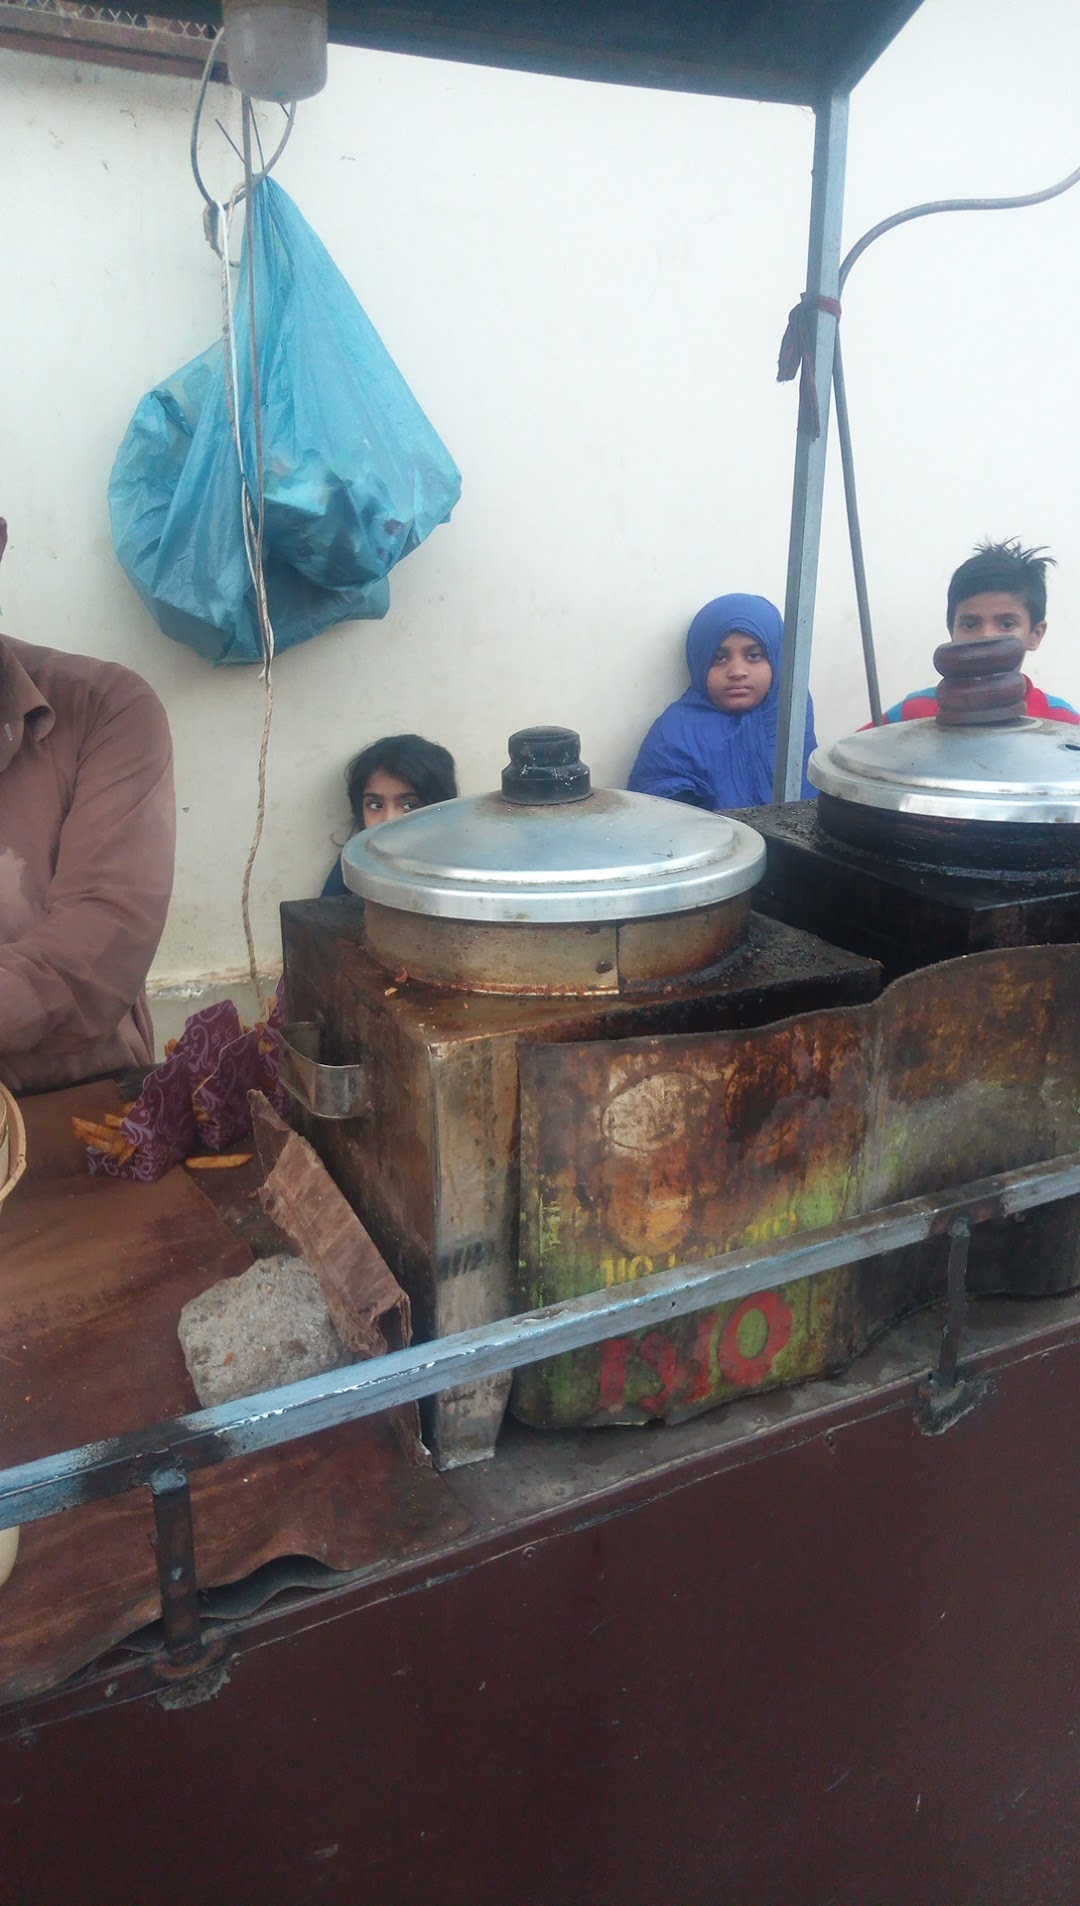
[(336, 1092)]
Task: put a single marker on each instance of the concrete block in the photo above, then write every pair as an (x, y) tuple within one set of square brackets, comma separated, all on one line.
[(268, 1327)]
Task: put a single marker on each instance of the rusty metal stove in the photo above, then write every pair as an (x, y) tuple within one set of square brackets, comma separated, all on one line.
[(547, 913)]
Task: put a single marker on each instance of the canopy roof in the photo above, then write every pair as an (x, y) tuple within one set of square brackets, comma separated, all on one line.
[(794, 51)]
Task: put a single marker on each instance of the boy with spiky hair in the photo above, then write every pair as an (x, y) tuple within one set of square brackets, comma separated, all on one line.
[(1000, 590)]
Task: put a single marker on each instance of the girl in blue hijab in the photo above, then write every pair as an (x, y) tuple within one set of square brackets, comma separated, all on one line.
[(716, 746)]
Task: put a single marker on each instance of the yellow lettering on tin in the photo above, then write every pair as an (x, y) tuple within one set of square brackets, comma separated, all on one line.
[(625, 1270), (764, 1231)]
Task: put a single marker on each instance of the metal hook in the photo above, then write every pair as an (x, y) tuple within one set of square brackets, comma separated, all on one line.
[(268, 167)]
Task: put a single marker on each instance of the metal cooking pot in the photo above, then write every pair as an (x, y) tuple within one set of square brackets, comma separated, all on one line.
[(977, 786), (994, 798), (553, 887)]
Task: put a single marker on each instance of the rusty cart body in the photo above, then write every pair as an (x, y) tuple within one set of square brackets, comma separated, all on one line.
[(806, 1645)]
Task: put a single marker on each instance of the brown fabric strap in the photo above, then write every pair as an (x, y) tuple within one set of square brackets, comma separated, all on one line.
[(797, 354)]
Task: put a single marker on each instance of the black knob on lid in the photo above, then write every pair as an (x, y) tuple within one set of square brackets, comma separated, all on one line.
[(545, 768)]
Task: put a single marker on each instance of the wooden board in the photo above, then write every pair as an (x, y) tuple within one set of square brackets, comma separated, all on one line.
[(93, 1275)]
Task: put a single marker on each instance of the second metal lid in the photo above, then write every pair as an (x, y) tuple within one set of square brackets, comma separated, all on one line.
[(1020, 771)]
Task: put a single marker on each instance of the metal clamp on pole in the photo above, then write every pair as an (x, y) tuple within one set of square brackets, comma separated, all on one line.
[(335, 1092), (175, 1542), (945, 1395)]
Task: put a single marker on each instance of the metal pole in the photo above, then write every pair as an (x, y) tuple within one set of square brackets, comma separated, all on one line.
[(156, 1456), (858, 561), (822, 280)]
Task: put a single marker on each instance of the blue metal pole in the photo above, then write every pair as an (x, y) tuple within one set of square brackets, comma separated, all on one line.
[(822, 280), (162, 1455)]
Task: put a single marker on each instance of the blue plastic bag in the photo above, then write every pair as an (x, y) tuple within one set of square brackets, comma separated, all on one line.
[(355, 476)]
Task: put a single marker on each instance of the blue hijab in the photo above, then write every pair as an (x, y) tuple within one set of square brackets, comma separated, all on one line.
[(694, 751)]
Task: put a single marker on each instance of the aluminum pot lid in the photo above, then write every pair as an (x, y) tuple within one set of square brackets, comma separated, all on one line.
[(574, 854), (1018, 771)]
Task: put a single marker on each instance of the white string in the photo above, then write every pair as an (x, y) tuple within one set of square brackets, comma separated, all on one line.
[(252, 525)]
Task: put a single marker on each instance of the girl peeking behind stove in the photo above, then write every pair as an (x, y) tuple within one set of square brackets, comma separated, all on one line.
[(716, 746), (392, 777)]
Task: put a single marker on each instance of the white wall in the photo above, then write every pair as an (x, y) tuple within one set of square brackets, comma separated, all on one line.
[(585, 287), (959, 336)]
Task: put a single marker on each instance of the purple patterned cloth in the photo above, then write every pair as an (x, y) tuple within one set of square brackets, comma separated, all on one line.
[(198, 1099)]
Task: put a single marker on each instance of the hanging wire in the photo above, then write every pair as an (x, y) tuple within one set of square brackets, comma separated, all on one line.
[(218, 221), (266, 627), (267, 166), (843, 421)]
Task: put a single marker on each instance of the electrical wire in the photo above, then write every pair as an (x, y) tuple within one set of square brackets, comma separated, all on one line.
[(266, 627), (219, 220), (843, 420), (196, 122)]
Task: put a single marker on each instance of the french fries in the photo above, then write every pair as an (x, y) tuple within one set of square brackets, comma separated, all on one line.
[(218, 1161), (103, 1138), (108, 1136)]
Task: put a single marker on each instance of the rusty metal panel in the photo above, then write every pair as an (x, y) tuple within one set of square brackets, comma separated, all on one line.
[(980, 1067), (648, 1153), (651, 1153), (384, 1161), (433, 1169), (474, 1099)]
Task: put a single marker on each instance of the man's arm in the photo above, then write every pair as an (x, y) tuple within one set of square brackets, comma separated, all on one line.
[(72, 977)]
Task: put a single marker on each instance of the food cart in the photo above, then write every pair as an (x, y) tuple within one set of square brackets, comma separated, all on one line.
[(800, 1647)]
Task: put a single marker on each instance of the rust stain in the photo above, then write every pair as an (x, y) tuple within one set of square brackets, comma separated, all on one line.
[(659, 1151)]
